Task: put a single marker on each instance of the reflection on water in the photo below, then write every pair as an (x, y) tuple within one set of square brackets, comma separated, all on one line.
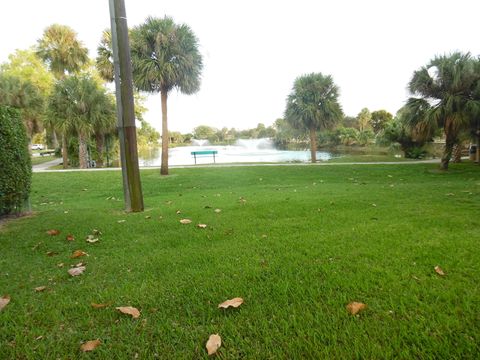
[(252, 150)]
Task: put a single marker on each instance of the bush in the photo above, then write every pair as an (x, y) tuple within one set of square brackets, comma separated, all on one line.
[(15, 163)]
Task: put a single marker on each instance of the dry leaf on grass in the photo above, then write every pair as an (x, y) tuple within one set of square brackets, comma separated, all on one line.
[(77, 254), (213, 344), (100, 306), (70, 237), (235, 302), (439, 270), (40, 288), (90, 345), (218, 211), (129, 311), (53, 232), (52, 253), (121, 221), (202, 226), (77, 271), (178, 212), (355, 307), (96, 232), (60, 265), (4, 300), (185, 221)]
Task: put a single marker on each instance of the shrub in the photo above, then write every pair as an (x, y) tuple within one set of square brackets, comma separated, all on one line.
[(15, 163)]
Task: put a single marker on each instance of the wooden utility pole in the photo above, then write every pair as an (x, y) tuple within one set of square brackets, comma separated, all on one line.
[(132, 187)]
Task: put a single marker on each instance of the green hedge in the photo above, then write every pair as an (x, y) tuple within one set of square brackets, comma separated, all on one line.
[(15, 163)]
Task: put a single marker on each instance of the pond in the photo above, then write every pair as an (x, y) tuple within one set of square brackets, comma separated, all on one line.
[(243, 151)]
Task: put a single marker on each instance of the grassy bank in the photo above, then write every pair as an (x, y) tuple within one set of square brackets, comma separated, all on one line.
[(297, 243)]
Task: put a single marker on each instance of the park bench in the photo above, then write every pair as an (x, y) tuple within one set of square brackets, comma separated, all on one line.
[(48, 152), (204, 153)]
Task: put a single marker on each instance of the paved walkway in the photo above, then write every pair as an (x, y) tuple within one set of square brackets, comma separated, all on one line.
[(44, 167)]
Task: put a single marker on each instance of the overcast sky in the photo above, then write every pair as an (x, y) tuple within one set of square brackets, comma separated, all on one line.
[(254, 50)]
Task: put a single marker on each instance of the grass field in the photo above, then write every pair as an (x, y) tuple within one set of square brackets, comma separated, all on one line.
[(36, 160), (297, 243)]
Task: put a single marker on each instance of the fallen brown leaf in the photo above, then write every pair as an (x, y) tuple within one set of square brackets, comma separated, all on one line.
[(70, 237), (52, 253), (439, 270), (213, 344), (202, 226), (178, 212), (53, 232), (77, 271), (40, 288), (235, 302), (100, 306), (90, 345), (77, 254), (185, 221), (218, 211), (355, 307), (4, 300), (91, 239), (129, 311)]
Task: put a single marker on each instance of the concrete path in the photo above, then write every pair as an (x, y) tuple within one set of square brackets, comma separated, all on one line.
[(44, 167)]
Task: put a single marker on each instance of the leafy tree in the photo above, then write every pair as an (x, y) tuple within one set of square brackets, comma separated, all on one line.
[(104, 60), (379, 119), (26, 97), (364, 117), (445, 97), (165, 56), (77, 106), (350, 122), (203, 132), (313, 105), (63, 53)]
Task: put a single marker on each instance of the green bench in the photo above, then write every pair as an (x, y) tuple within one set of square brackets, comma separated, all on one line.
[(204, 153)]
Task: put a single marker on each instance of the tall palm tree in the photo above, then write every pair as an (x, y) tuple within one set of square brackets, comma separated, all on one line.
[(313, 105), (104, 59), (78, 105), (165, 56), (443, 98), (63, 53)]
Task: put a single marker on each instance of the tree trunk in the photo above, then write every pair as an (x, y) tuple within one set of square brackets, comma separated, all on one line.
[(82, 151), (447, 153), (99, 140), (313, 144), (54, 139), (164, 166), (64, 150), (457, 152)]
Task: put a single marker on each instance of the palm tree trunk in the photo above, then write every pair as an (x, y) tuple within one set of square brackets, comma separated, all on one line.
[(164, 166), (313, 144), (82, 151), (447, 153), (99, 140), (64, 150), (457, 153)]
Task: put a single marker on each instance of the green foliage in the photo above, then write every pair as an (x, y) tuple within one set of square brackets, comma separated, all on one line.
[(15, 164), (364, 117), (379, 119), (61, 50), (24, 95), (165, 56), (349, 122), (446, 95), (285, 133), (147, 135), (104, 60), (313, 103), (204, 132)]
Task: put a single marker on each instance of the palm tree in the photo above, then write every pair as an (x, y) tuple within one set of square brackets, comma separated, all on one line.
[(104, 60), (78, 105), (165, 56), (313, 105), (63, 54), (443, 98), (23, 95)]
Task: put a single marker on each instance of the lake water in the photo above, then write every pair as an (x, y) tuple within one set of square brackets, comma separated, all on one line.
[(244, 151)]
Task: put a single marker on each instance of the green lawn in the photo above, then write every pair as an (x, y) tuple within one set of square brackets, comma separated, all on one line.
[(306, 241)]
